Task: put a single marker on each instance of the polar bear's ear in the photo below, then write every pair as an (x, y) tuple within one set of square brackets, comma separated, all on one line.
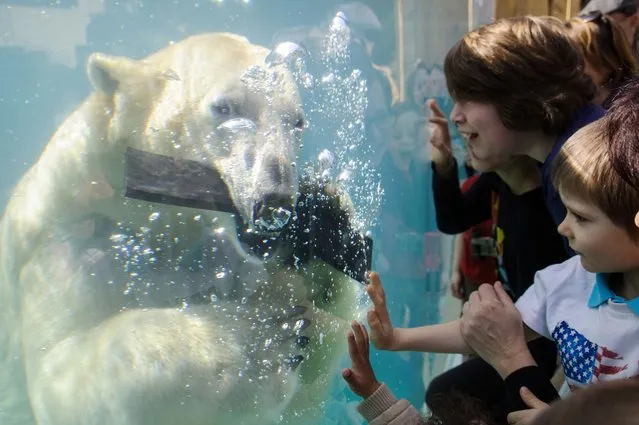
[(107, 72)]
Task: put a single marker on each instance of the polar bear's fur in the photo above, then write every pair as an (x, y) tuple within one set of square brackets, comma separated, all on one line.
[(97, 319)]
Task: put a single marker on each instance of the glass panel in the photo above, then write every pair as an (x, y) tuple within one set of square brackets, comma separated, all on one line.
[(157, 250)]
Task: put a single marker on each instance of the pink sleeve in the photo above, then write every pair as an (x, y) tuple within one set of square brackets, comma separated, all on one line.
[(382, 408)]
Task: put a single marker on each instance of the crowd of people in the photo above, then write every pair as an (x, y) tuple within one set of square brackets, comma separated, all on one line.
[(547, 223)]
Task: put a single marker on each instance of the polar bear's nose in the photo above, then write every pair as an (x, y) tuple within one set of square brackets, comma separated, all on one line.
[(277, 170)]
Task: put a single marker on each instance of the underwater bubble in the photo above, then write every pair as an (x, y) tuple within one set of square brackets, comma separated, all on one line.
[(344, 176), (326, 160), (328, 78), (278, 219), (238, 125), (307, 80), (118, 238), (340, 22), (288, 53), (154, 216)]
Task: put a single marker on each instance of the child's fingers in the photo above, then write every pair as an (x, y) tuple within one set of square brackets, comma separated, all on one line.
[(365, 347), (438, 120), (364, 333), (374, 322), (376, 287), (353, 350), (434, 108), (379, 298), (359, 336)]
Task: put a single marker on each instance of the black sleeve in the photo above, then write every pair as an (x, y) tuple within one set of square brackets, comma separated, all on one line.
[(533, 378), (456, 211)]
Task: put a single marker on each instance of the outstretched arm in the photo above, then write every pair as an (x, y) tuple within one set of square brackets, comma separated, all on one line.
[(442, 338)]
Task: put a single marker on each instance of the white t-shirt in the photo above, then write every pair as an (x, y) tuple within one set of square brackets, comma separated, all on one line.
[(597, 333)]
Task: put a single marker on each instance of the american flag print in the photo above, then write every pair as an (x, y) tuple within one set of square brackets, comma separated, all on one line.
[(584, 361)]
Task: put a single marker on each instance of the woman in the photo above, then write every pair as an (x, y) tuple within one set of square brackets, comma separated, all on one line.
[(607, 52)]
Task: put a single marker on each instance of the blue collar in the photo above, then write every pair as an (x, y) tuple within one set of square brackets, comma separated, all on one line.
[(601, 293)]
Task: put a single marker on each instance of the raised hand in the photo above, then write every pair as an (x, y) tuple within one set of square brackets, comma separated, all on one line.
[(383, 334), (440, 140), (360, 376)]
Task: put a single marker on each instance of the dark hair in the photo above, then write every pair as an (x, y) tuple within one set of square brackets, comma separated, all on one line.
[(456, 408), (527, 67), (621, 129)]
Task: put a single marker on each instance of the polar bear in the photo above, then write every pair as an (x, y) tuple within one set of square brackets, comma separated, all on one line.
[(118, 309)]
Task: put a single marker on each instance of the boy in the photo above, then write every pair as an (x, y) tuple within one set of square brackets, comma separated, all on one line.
[(588, 305), (519, 89)]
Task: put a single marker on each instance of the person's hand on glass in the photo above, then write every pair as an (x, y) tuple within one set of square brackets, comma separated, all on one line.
[(360, 377)]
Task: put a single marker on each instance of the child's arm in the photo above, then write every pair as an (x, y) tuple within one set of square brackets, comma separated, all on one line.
[(444, 338)]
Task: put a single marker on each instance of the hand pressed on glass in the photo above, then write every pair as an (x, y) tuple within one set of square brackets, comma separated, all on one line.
[(360, 377)]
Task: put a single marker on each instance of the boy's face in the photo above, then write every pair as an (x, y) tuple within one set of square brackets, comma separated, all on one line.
[(406, 132), (603, 246), (488, 141)]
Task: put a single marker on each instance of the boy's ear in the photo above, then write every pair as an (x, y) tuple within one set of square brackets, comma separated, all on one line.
[(637, 219)]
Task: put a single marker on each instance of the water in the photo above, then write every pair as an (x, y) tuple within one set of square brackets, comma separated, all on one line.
[(195, 266)]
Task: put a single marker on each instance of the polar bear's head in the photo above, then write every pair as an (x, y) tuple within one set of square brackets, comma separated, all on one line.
[(209, 98)]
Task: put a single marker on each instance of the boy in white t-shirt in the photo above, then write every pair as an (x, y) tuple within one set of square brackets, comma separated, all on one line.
[(589, 305)]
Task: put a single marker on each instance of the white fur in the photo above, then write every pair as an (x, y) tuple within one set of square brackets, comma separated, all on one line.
[(88, 339)]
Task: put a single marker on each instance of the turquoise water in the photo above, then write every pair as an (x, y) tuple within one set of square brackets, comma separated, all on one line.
[(350, 137)]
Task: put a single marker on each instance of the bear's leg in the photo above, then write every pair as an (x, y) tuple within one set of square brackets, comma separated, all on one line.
[(91, 359)]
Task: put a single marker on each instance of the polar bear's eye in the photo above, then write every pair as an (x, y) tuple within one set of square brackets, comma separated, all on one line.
[(300, 124), (221, 108)]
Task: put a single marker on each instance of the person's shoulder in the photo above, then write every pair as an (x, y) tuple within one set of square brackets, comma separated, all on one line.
[(490, 179), (589, 113), (469, 182), (569, 276)]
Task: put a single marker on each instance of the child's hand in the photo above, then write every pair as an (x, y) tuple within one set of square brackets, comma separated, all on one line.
[(382, 332), (360, 377), (440, 141)]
